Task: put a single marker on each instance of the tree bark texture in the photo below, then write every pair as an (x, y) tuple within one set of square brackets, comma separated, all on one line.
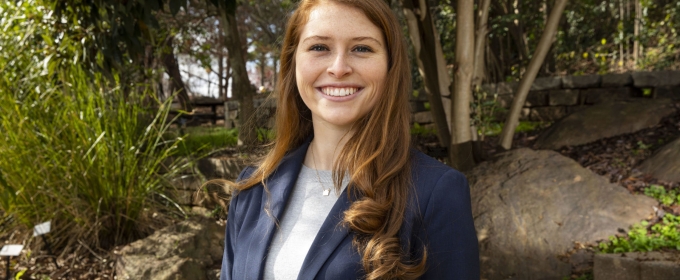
[(172, 69), (435, 77), (480, 43), (460, 149), (530, 75), (241, 89)]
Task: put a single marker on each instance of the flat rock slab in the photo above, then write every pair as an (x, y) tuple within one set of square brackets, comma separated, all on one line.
[(664, 164), (183, 251), (637, 266), (605, 120), (530, 206)]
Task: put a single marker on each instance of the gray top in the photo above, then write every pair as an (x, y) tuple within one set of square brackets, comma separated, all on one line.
[(302, 218)]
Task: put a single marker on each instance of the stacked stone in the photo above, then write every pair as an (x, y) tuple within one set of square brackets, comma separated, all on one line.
[(553, 98)]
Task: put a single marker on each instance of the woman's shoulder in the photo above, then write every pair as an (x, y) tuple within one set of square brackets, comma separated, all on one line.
[(426, 169)]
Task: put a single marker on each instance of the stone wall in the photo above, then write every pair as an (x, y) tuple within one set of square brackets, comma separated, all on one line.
[(552, 98)]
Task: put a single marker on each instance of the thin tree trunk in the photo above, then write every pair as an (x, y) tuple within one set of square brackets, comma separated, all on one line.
[(227, 116), (460, 151), (172, 69), (530, 75), (424, 38), (622, 54), (480, 43), (636, 33), (241, 88)]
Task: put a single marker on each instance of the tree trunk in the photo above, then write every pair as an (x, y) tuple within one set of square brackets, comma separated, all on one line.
[(430, 64), (480, 43), (460, 150), (530, 75), (241, 89), (172, 69), (636, 33)]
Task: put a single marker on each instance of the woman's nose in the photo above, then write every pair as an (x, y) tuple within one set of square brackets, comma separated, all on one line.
[(339, 68)]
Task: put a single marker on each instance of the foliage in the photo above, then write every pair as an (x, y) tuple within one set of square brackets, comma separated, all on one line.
[(484, 111), (667, 198), (76, 148), (642, 238), (422, 131), (200, 140)]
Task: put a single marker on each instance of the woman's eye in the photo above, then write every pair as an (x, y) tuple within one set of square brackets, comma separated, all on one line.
[(362, 49), (318, 48)]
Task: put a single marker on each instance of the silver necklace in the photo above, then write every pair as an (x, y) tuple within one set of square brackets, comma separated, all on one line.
[(326, 191)]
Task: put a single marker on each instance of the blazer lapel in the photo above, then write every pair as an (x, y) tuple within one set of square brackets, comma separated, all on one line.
[(280, 185), (331, 234)]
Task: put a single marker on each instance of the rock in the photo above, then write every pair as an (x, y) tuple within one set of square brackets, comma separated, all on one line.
[(536, 98), (506, 87), (637, 266), (667, 92), (664, 164), (547, 114), (504, 100), (604, 120), (547, 83), (423, 117), (656, 79), (599, 95), (617, 80), (585, 81), (220, 168), (183, 251), (531, 206), (563, 97), (417, 106)]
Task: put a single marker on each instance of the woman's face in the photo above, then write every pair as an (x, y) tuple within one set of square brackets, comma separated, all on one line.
[(341, 64)]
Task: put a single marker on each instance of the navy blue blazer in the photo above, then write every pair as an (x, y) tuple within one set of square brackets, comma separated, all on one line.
[(438, 217)]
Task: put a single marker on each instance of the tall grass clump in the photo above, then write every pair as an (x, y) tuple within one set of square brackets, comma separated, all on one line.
[(76, 148)]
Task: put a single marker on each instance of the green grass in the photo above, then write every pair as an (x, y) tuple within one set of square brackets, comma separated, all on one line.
[(495, 128), (202, 140), (76, 148)]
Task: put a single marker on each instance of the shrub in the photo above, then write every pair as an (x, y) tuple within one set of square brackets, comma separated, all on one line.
[(83, 151)]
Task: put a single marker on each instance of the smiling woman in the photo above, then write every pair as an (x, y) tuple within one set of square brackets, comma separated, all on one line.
[(343, 123)]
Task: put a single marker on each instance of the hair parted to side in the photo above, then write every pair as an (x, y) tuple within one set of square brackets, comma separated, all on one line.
[(376, 156)]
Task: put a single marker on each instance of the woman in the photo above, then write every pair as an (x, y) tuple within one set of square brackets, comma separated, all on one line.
[(341, 195)]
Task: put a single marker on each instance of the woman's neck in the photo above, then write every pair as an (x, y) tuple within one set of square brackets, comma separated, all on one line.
[(326, 146)]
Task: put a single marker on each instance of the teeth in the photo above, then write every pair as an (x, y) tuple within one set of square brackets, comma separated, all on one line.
[(339, 91)]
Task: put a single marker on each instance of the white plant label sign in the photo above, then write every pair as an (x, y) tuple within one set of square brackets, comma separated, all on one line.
[(42, 228), (11, 250)]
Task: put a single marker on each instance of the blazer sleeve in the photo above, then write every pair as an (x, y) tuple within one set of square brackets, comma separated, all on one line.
[(449, 230), (231, 233)]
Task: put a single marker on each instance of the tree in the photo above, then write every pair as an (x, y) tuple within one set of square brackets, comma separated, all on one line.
[(528, 79), (460, 148), (430, 60)]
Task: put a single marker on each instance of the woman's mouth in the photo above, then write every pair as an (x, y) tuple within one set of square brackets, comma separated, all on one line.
[(339, 92)]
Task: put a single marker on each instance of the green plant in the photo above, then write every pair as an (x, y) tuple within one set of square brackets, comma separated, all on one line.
[(265, 135), (484, 109), (422, 131), (665, 197), (642, 238), (199, 141), (85, 152)]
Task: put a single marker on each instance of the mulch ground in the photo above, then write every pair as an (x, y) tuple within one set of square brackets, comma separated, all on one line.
[(615, 158)]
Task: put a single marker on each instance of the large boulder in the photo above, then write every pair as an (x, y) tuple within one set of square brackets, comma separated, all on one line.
[(186, 250), (604, 120), (664, 164), (531, 206)]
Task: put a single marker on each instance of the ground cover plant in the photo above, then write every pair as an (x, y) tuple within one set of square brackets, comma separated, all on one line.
[(82, 150)]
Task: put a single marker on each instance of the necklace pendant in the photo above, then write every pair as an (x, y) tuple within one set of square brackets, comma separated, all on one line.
[(326, 192)]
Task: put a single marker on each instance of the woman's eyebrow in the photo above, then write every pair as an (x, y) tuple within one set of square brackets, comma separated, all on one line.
[(317, 37), (358, 39)]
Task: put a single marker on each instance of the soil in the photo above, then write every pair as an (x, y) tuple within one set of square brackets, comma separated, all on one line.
[(615, 158)]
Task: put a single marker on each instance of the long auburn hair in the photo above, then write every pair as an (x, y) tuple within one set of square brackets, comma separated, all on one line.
[(376, 156)]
